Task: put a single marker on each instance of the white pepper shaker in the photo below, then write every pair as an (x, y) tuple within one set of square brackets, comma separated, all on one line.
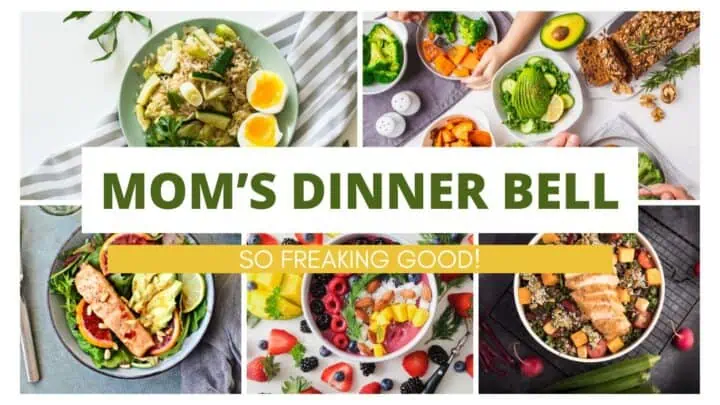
[(390, 124), (406, 102)]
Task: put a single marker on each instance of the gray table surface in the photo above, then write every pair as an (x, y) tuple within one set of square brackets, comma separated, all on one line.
[(42, 238), (493, 296)]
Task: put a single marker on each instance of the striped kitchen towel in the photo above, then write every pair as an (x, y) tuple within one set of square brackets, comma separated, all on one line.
[(321, 48)]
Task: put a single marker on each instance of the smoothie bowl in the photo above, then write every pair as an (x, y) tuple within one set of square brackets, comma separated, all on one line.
[(360, 316)]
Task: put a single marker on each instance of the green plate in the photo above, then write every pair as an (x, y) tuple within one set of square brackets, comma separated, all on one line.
[(258, 45)]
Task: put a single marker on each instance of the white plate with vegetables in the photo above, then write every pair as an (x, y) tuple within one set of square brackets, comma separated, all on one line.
[(537, 95), (384, 45)]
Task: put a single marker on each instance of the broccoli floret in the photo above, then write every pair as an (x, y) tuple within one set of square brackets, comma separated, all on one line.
[(377, 61), (648, 172), (385, 76), (380, 33), (367, 76), (382, 56), (443, 23), (393, 51), (366, 50), (471, 31)]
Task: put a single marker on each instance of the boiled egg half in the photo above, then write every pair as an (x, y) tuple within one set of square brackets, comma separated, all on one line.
[(259, 129), (266, 92)]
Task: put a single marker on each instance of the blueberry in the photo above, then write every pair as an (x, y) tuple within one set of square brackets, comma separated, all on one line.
[(353, 347), (309, 237), (263, 344), (386, 384), (251, 285), (324, 351), (459, 366), (339, 376), (414, 278), (253, 239)]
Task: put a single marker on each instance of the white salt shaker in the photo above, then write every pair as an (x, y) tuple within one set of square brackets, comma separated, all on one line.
[(406, 102), (390, 124)]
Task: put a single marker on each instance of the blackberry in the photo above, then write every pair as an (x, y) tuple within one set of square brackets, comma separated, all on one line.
[(304, 327), (317, 307), (412, 386), (367, 368), (317, 290), (309, 364), (323, 278), (289, 241), (438, 355), (323, 321)]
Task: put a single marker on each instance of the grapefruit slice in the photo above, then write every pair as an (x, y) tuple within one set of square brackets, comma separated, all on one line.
[(121, 239), (169, 338), (89, 326)]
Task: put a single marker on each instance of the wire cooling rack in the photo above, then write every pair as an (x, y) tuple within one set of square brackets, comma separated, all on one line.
[(682, 294)]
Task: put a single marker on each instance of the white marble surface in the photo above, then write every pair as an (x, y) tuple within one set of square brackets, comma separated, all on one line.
[(63, 93)]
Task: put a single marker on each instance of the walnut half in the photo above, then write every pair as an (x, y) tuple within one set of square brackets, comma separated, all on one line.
[(668, 93), (657, 114)]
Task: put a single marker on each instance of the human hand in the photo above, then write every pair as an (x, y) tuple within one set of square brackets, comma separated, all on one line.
[(406, 16), (493, 58), (665, 192), (564, 140)]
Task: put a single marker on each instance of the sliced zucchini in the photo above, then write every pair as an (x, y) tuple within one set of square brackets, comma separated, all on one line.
[(535, 59), (206, 41), (216, 119), (191, 129), (222, 61), (568, 101), (148, 89), (142, 119), (207, 77), (217, 92), (218, 106), (508, 85), (207, 132), (175, 99), (191, 94), (552, 81), (225, 32), (527, 126)]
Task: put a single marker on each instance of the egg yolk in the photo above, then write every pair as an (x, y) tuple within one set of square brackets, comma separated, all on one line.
[(268, 91), (260, 131)]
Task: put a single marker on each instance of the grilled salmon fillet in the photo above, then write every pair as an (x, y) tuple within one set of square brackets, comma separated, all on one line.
[(107, 305), (596, 296)]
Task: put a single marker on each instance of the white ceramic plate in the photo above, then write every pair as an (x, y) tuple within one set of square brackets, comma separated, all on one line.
[(521, 313), (402, 34), (569, 117)]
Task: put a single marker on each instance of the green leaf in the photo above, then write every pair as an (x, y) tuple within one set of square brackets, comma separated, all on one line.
[(76, 15), (110, 51), (272, 304), (141, 19), (297, 353), (446, 326), (106, 27)]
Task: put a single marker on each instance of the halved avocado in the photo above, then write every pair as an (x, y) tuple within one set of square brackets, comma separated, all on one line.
[(563, 31)]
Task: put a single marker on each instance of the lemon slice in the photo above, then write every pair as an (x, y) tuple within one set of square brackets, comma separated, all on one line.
[(191, 94), (555, 109), (193, 290)]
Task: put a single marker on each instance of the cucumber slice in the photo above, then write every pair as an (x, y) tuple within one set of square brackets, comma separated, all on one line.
[(191, 129), (148, 89), (552, 81), (207, 77), (217, 92), (191, 94), (175, 99), (218, 106), (140, 115), (527, 126), (206, 41), (508, 85), (222, 62), (568, 101), (216, 119), (535, 59)]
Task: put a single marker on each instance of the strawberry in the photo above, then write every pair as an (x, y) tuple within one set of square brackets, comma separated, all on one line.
[(416, 363), (338, 376), (309, 238), (280, 342), (311, 390), (371, 388), (463, 303), (266, 239), (262, 368), (469, 367), (298, 385)]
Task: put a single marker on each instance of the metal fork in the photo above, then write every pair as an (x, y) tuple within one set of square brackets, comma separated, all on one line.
[(27, 342)]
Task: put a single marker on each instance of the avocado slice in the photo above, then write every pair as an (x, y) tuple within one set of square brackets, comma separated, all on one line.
[(532, 95), (563, 31)]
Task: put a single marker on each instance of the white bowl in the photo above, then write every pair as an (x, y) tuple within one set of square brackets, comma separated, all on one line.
[(402, 34), (661, 299), (347, 356), (569, 117), (478, 117)]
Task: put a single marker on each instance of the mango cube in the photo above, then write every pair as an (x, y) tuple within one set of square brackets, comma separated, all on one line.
[(616, 344), (579, 338), (420, 317), (653, 277), (626, 255), (378, 350), (400, 312), (411, 309), (388, 313), (380, 333), (549, 279), (524, 296)]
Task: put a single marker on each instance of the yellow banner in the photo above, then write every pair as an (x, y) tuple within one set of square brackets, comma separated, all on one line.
[(360, 259)]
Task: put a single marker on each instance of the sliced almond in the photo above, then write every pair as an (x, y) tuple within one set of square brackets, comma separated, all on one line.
[(388, 296), (380, 305), (426, 293), (372, 336), (407, 293), (373, 286), (362, 315), (364, 303), (364, 349)]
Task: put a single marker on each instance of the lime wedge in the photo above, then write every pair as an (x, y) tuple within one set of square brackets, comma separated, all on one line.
[(555, 109), (193, 290)]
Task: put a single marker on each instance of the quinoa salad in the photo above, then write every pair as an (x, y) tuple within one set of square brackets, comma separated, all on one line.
[(594, 315), (194, 93)]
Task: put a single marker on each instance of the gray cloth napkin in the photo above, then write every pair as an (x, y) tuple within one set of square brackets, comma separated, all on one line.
[(215, 364), (437, 94), (321, 49)]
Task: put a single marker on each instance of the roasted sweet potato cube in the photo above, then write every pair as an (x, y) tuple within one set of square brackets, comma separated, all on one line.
[(458, 53), (550, 238), (470, 61), (461, 72), (448, 136), (462, 130), (524, 296), (653, 276), (444, 65), (480, 138), (579, 338), (549, 279)]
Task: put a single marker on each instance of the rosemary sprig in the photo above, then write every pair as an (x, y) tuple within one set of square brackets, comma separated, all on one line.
[(106, 33), (675, 67), (642, 44)]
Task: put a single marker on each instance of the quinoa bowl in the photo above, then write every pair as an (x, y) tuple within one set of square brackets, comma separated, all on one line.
[(192, 80), (594, 318)]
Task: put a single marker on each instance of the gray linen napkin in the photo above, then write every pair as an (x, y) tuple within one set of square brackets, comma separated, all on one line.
[(437, 94)]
